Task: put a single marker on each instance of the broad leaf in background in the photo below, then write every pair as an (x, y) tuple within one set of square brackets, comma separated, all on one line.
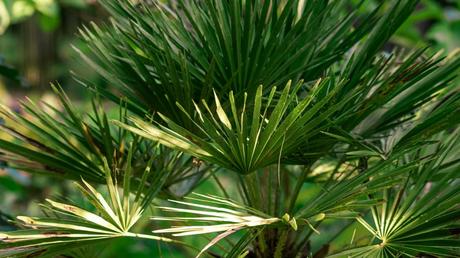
[(14, 11), (4, 17)]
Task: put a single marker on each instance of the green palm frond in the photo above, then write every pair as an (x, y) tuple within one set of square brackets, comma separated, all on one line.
[(243, 140), (156, 55), (73, 227), (64, 145), (345, 192), (387, 99), (420, 217), (68, 145), (409, 96), (350, 134)]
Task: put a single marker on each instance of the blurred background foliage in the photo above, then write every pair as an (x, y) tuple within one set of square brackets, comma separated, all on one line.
[(435, 23), (36, 38)]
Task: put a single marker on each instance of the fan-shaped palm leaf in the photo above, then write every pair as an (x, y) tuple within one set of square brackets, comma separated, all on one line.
[(244, 141), (419, 218), (225, 215), (156, 54), (73, 227)]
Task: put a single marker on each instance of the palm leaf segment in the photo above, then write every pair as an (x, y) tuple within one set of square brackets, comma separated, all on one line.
[(242, 140), (74, 227)]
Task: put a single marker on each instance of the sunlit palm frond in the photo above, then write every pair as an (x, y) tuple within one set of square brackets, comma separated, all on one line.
[(242, 140), (71, 226), (224, 216)]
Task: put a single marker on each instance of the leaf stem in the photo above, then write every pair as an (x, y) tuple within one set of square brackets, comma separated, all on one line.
[(298, 187), (158, 238)]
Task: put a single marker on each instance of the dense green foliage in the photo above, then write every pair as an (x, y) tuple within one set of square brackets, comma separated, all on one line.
[(292, 109)]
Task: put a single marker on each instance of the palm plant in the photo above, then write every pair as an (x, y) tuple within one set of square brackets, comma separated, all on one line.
[(291, 109)]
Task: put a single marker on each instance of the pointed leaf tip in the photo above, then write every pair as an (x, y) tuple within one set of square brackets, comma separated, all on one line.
[(25, 219), (3, 236), (221, 113)]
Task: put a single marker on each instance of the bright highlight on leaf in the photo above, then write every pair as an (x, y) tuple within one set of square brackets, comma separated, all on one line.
[(224, 216), (74, 227), (242, 140), (232, 215)]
